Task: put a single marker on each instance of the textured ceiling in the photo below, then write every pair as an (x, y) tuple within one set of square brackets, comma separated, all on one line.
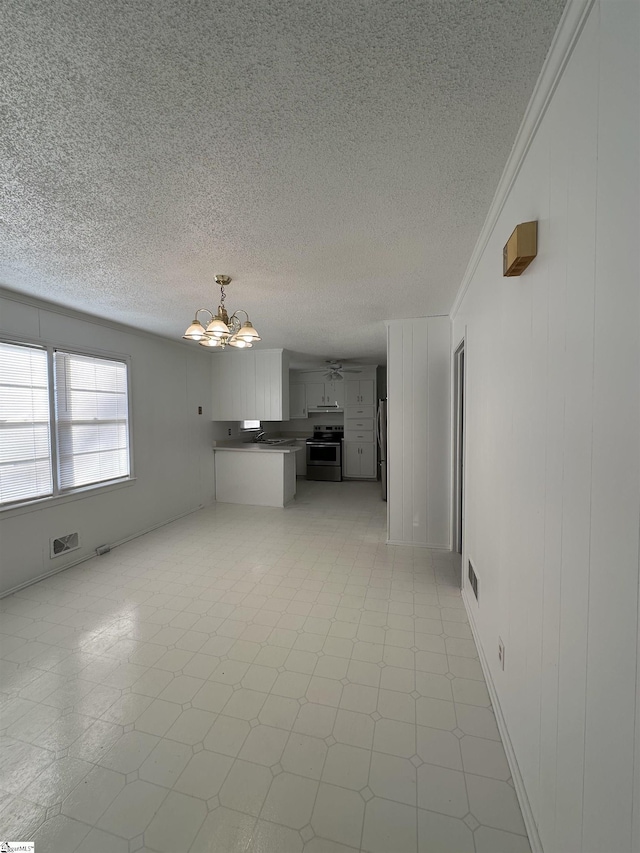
[(336, 157)]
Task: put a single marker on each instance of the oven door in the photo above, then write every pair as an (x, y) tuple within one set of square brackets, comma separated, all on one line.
[(323, 453)]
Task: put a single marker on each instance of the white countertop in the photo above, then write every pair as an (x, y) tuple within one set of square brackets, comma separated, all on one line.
[(240, 447)]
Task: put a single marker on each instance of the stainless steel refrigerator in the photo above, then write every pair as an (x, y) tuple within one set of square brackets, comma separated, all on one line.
[(381, 434)]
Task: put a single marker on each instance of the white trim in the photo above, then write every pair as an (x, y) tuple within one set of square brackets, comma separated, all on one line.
[(9, 510), (93, 554), (66, 311), (417, 544), (564, 40), (521, 792)]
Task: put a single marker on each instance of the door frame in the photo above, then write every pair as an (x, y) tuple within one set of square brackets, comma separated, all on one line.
[(459, 435)]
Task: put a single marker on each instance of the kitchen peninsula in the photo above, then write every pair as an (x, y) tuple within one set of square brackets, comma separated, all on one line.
[(256, 474)]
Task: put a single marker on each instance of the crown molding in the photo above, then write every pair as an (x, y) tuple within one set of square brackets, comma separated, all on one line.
[(564, 40)]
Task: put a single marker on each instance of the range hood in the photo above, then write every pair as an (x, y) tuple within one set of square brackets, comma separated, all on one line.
[(327, 408)]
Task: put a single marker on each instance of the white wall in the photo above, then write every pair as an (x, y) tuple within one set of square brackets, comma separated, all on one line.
[(552, 451), (173, 460), (419, 431)]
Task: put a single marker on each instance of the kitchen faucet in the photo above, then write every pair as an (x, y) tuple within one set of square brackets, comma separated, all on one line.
[(258, 437)]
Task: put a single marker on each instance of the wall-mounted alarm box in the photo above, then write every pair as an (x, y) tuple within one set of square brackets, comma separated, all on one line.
[(520, 249)]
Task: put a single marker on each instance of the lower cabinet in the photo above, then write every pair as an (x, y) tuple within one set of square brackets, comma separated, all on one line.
[(359, 460), (301, 458)]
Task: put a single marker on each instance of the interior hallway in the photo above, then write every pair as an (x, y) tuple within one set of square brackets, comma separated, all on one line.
[(251, 679)]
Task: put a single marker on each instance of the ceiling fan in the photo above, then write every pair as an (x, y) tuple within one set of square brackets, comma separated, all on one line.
[(335, 371)]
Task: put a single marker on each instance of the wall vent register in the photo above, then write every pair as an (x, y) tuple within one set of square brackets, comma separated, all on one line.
[(63, 544), (473, 580)]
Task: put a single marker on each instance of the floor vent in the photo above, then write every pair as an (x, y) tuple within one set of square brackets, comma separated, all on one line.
[(473, 580), (63, 544)]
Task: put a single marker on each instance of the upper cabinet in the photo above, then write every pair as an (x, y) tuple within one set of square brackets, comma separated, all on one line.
[(297, 400), (309, 393), (322, 394), (359, 392), (250, 385)]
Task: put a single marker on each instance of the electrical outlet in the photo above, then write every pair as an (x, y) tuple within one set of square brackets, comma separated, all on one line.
[(199, 410), (229, 432), (501, 652)]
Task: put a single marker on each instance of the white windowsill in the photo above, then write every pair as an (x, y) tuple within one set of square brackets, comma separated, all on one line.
[(54, 500)]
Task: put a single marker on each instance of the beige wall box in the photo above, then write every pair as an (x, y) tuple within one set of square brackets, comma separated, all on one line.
[(520, 249)]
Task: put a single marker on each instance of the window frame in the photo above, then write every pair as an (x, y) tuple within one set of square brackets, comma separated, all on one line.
[(63, 495)]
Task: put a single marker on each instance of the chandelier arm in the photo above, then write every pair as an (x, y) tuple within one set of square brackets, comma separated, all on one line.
[(242, 311), (208, 312)]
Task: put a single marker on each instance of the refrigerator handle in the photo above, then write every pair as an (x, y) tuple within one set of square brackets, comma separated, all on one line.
[(378, 433)]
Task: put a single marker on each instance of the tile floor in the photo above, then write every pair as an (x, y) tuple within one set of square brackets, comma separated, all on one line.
[(252, 679)]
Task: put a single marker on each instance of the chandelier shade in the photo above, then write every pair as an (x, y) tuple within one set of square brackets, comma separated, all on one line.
[(195, 332), (223, 330)]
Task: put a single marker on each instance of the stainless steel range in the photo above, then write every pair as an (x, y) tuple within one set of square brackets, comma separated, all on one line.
[(324, 453)]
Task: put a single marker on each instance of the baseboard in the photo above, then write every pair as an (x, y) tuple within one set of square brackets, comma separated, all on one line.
[(521, 792), (93, 554), (417, 545)]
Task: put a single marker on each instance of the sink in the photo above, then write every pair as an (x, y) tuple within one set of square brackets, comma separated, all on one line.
[(276, 440)]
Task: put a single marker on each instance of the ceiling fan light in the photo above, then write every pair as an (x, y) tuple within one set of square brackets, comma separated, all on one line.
[(195, 332), (217, 328)]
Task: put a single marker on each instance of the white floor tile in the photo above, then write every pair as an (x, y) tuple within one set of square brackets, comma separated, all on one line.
[(442, 790), (395, 738), (393, 778), (438, 832), (128, 753), (484, 757), (338, 815), (175, 824), (204, 774), (323, 688), (56, 781), (246, 787), (290, 800), (59, 833), (165, 763), (494, 804), (20, 818), (347, 766), (389, 826), (224, 829), (315, 720), (264, 745), (496, 841), (132, 810)]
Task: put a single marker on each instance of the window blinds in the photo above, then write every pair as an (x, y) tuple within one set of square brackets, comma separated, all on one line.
[(25, 448), (92, 419)]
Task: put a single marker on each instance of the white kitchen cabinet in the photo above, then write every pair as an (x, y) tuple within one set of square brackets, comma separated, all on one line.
[(359, 391), (301, 457), (323, 394), (359, 460), (298, 401), (315, 394), (250, 385)]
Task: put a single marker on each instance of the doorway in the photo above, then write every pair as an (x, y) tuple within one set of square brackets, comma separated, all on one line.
[(458, 456)]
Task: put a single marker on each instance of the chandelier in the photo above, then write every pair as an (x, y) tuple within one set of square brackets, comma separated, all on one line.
[(222, 330)]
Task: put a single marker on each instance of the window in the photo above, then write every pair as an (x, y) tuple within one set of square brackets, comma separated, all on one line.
[(60, 438), (92, 419), (25, 429), (250, 425)]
